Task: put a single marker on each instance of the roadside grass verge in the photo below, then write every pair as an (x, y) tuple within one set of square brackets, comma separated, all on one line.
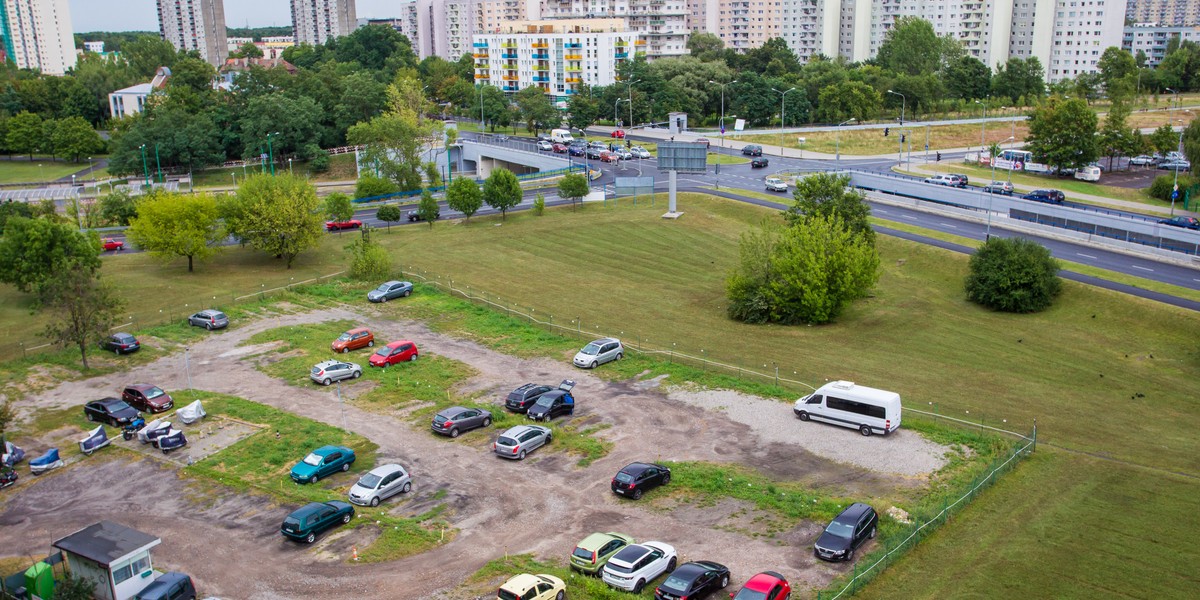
[(981, 176), (491, 576), (40, 170), (873, 142)]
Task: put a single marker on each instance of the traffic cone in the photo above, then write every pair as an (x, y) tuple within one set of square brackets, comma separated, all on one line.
[(354, 549)]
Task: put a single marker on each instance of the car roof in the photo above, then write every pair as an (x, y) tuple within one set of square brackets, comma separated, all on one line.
[(853, 512), (307, 509), (763, 582), (210, 311), (605, 340), (630, 554), (122, 334), (330, 362), (638, 467), (520, 583), (382, 470), (519, 429), (452, 409), (141, 387), (171, 577), (357, 330), (398, 343), (693, 569), (323, 450), (595, 540), (110, 400)]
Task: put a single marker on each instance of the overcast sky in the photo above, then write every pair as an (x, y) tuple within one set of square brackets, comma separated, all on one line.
[(141, 15)]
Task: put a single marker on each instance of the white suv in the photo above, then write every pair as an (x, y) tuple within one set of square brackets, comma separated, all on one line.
[(775, 184), (599, 352), (638, 564)]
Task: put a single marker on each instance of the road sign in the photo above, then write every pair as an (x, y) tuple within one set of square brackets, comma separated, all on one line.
[(684, 157)]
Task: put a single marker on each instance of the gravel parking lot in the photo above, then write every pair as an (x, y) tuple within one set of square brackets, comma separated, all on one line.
[(542, 505)]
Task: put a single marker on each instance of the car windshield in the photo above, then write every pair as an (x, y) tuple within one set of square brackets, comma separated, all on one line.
[(383, 288), (123, 337), (345, 337), (676, 584), (369, 481), (153, 393), (842, 530), (544, 401), (313, 459), (118, 406), (583, 553), (218, 316), (750, 595), (590, 349), (384, 351)]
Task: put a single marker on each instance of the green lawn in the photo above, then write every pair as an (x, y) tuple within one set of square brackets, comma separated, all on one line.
[(341, 167), (41, 169), (981, 175)]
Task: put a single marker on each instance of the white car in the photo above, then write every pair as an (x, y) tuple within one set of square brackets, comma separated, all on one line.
[(775, 184), (639, 152), (545, 145), (599, 352), (380, 484), (638, 564), (1142, 160)]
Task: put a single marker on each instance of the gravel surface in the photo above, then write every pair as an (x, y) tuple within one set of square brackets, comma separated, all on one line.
[(901, 452)]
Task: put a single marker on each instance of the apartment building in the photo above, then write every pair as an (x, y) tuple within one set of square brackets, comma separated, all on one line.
[(406, 22), (662, 24), (37, 34), (1152, 39), (195, 25), (1167, 13), (558, 55), (315, 22)]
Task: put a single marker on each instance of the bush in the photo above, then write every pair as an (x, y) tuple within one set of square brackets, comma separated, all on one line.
[(539, 205), (1013, 275), (319, 163), (369, 185), (1163, 184), (369, 261)]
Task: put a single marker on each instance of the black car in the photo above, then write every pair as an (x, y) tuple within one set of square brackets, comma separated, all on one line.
[(752, 150), (693, 581), (121, 343), (759, 163), (112, 411), (520, 399), (638, 478), (1182, 221), (594, 153), (172, 585), (552, 404), (1048, 196), (846, 533), (415, 215)]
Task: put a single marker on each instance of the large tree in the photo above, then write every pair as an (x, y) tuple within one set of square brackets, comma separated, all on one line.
[(75, 139), (582, 109), (573, 187), (338, 207), (967, 78), (33, 251), (848, 99), (279, 215), (495, 106), (1013, 275), (82, 309), (1115, 137), (464, 195), (1164, 139), (25, 134), (536, 109), (502, 190), (1118, 72), (827, 195), (169, 226), (910, 47), (1019, 79), (1062, 133), (291, 122)]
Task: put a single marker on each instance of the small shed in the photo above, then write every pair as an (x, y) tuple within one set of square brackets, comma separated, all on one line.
[(114, 557)]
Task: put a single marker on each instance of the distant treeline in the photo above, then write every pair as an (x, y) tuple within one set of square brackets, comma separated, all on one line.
[(113, 40)]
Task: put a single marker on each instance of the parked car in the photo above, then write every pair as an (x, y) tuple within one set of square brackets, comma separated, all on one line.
[(1142, 160), (635, 565), (110, 244), (390, 290), (623, 154), (609, 157), (521, 440), (1175, 165), (457, 419), (415, 215), (327, 372), (171, 585), (999, 187), (520, 399), (704, 141), (638, 478), (545, 146), (532, 587), (340, 225), (1182, 221), (693, 581), (775, 184), (394, 353), (1088, 173), (639, 152), (149, 398), (120, 343), (559, 148), (597, 144), (322, 462), (379, 484), (359, 337), (961, 177), (618, 133), (111, 411), (579, 149), (599, 352), (767, 585), (946, 180), (1049, 196), (846, 533), (209, 319), (596, 153), (315, 517), (554, 403), (593, 552), (752, 150), (760, 163)]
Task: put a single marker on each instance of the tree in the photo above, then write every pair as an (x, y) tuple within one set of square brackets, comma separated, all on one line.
[(363, 97), (573, 187), (495, 105), (705, 46), (1118, 72), (82, 308), (502, 190), (848, 99), (368, 260), (278, 215), (338, 207), (389, 213), (827, 195), (70, 587), (805, 273), (169, 226), (1062, 133), (10, 209), (536, 109), (376, 48), (1019, 78), (1013, 275), (247, 50), (291, 123), (32, 251), (1115, 137), (967, 78), (428, 208), (74, 138), (117, 207), (582, 109), (147, 53), (464, 195), (192, 74), (25, 134), (910, 47), (369, 186), (1191, 141)]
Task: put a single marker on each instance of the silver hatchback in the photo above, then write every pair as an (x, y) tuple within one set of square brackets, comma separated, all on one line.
[(209, 319), (599, 352), (327, 372), (379, 484), (521, 440)]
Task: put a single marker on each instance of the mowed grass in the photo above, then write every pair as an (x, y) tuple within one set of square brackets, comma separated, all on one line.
[(872, 141), (981, 176), (341, 167), (40, 169)]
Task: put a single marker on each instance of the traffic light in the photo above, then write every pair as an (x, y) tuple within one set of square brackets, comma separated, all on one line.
[(939, 157), (886, 130)]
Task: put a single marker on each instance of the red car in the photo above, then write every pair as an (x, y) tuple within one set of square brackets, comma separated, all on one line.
[(767, 584), (559, 148), (609, 157), (619, 134), (393, 353), (339, 225), (112, 244), (146, 397)]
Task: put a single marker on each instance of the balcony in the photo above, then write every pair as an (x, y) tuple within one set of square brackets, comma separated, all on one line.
[(640, 43), (510, 66), (509, 77), (572, 45), (540, 67), (510, 88), (573, 80), (508, 44), (541, 45), (541, 78), (569, 92), (572, 69), (542, 56), (573, 57), (481, 55), (508, 55), (481, 76), (621, 55), (481, 44)]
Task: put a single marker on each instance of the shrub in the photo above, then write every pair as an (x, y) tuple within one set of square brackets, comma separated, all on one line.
[(539, 205), (1013, 275), (369, 185), (369, 261), (389, 213), (319, 163), (1163, 184)]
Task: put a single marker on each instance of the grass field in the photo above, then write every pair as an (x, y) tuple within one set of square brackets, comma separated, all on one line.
[(981, 175), (341, 167), (41, 169), (872, 141)]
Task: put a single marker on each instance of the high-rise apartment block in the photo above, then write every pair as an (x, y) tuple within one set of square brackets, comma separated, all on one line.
[(195, 25), (37, 34), (663, 24), (1166, 13), (1152, 39), (315, 22)]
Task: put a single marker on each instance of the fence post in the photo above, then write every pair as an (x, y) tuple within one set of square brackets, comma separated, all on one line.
[(1034, 446)]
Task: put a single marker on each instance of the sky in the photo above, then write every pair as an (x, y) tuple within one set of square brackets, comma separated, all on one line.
[(142, 15)]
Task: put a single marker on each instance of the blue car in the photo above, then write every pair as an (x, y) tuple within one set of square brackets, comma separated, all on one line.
[(322, 462)]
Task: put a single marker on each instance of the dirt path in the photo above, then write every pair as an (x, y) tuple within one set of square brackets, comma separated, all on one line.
[(541, 505)]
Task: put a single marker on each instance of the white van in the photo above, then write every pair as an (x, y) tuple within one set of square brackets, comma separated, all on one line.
[(562, 136), (1089, 173), (856, 406)]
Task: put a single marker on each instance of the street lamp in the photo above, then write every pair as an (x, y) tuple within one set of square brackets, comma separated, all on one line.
[(289, 166), (992, 192), (717, 167), (982, 124), (145, 166), (617, 103), (271, 152), (782, 97), (903, 103), (722, 113), (1175, 186), (158, 164), (837, 143), (629, 84), (1176, 92)]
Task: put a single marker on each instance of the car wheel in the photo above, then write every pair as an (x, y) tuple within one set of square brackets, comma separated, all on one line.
[(549, 438), (326, 381), (117, 351), (406, 488), (313, 479), (637, 494), (208, 326), (803, 415), (346, 518), (620, 355), (413, 358), (521, 456), (126, 435), (724, 581), (666, 479), (850, 555), (345, 467), (407, 292), (593, 365), (383, 299), (356, 375), (454, 432), (310, 538), (345, 350), (371, 343), (487, 421), (872, 536), (375, 501), (671, 565), (91, 417), (865, 430), (560, 595), (637, 587)]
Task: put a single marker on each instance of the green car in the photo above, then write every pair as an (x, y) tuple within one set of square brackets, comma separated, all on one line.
[(322, 462), (594, 551), (307, 521)]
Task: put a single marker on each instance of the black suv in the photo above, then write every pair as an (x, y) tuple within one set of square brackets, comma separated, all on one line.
[(415, 215), (752, 150), (636, 478), (1048, 196), (846, 533), (520, 399)]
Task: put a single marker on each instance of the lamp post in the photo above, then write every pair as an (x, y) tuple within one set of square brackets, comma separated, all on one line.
[(616, 103), (1175, 186), (481, 120), (271, 152), (158, 164), (1176, 92), (289, 166), (145, 166), (837, 140), (722, 113), (982, 124), (987, 235), (903, 103), (717, 182), (629, 86), (782, 98)]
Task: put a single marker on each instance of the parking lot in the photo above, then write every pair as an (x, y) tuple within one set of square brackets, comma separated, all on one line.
[(541, 505)]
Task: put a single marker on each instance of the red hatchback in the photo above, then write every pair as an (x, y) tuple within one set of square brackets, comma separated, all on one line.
[(339, 225), (767, 584), (619, 134), (559, 148), (393, 353), (609, 157), (112, 244), (146, 397)]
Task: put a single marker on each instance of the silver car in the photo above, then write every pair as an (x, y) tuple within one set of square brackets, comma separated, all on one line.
[(379, 484), (457, 419), (639, 152), (209, 319), (389, 290), (521, 440), (327, 372), (599, 352)]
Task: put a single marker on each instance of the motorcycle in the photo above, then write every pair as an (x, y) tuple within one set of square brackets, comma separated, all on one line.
[(152, 430), (45, 462), (191, 413), (173, 439), (8, 476), (132, 428), (96, 439)]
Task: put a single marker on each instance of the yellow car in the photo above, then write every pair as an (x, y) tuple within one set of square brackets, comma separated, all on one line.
[(532, 587)]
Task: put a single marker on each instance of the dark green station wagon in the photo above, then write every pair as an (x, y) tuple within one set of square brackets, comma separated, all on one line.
[(307, 521)]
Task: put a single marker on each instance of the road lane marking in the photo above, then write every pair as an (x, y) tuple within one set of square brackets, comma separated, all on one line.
[(948, 225), (1142, 268), (1086, 255)]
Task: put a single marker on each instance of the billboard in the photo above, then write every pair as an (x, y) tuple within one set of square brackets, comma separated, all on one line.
[(684, 157)]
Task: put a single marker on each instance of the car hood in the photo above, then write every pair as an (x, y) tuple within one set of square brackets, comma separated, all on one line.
[(829, 541), (374, 294), (126, 413), (536, 410), (377, 359), (360, 491), (304, 470), (581, 357)]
